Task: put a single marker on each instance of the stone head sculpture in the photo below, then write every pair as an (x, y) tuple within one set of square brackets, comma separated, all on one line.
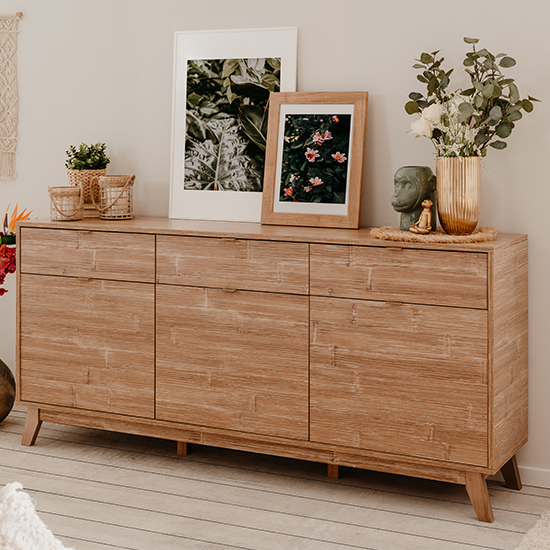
[(412, 185)]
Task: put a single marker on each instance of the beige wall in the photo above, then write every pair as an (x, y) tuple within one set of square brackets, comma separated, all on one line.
[(101, 70)]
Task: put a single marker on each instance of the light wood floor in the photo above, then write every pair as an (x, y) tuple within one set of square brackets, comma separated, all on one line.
[(100, 490)]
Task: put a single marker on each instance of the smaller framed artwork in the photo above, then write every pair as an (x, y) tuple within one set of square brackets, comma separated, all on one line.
[(314, 159)]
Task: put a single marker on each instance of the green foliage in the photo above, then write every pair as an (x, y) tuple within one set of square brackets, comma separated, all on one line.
[(493, 101), (236, 90), (87, 157), (220, 164), (315, 158)]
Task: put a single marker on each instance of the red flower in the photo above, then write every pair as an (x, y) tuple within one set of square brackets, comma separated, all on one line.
[(288, 191), (335, 119), (7, 264)]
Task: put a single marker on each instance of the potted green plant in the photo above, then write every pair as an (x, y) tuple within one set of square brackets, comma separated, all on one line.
[(461, 125), (84, 163)]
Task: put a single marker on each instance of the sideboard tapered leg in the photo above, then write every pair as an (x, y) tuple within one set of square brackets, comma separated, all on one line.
[(182, 448), (32, 426), (476, 486), (332, 471), (511, 476)]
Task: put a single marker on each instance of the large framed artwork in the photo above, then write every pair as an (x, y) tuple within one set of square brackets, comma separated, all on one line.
[(222, 84), (314, 160)]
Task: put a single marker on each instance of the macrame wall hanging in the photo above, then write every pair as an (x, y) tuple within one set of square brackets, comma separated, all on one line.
[(8, 95)]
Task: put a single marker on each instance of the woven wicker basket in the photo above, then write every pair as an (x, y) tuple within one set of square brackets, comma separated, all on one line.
[(115, 197), (65, 203), (84, 179)]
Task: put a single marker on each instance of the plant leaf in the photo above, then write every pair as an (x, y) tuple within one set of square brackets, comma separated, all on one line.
[(253, 119), (514, 115), (221, 165), (411, 107), (514, 93), (527, 106), (498, 144), (507, 62), (466, 110), (426, 58), (471, 40), (504, 129)]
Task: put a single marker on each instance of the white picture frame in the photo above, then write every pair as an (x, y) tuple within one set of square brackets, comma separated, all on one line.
[(245, 44)]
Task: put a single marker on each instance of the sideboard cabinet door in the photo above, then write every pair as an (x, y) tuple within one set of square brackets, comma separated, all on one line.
[(233, 359), (88, 344), (400, 378)]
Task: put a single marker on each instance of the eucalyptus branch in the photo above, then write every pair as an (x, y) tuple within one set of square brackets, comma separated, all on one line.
[(472, 119)]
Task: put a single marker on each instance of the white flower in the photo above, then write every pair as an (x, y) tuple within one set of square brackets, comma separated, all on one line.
[(454, 102), (422, 127), (432, 113)]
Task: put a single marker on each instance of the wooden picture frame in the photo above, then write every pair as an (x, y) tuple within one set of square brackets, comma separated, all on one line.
[(314, 159), (236, 190)]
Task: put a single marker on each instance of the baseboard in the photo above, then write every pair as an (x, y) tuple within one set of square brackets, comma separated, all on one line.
[(538, 477)]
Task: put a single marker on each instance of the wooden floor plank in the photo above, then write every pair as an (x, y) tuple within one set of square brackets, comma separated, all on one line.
[(106, 490)]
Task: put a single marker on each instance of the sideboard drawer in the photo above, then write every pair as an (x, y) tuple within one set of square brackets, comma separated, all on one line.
[(435, 277), (233, 263), (90, 254)]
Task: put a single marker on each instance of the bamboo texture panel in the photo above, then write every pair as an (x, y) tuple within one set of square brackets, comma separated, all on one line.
[(94, 254), (400, 274), (233, 263), (235, 360), (403, 379), (87, 344), (510, 350)]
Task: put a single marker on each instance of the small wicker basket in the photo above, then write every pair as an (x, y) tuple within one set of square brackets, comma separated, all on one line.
[(115, 197), (66, 203), (84, 179)]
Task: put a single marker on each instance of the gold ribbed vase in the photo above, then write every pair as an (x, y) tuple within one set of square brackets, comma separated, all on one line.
[(458, 193)]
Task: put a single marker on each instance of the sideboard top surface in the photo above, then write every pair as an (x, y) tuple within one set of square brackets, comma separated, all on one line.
[(249, 230)]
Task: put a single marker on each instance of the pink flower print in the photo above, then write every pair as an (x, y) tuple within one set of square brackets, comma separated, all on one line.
[(294, 177), (311, 154), (327, 135), (318, 138), (316, 181), (340, 157), (307, 188)]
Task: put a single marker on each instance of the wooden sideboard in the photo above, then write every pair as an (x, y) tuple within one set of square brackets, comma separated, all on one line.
[(318, 344)]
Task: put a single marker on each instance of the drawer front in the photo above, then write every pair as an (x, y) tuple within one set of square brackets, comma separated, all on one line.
[(435, 277), (97, 354), (232, 263), (405, 379), (238, 361), (91, 254)]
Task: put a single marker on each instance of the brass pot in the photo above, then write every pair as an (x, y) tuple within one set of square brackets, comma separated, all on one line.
[(458, 193)]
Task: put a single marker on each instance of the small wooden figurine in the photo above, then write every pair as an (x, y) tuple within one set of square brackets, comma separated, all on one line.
[(424, 223)]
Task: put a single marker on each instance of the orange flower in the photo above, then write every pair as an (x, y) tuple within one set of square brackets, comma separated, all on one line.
[(340, 157), (335, 119), (288, 191)]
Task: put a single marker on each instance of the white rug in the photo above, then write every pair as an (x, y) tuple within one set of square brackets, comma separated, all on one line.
[(538, 538), (20, 526)]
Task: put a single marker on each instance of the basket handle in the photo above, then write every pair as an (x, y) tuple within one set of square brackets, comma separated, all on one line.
[(65, 214), (101, 210)]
